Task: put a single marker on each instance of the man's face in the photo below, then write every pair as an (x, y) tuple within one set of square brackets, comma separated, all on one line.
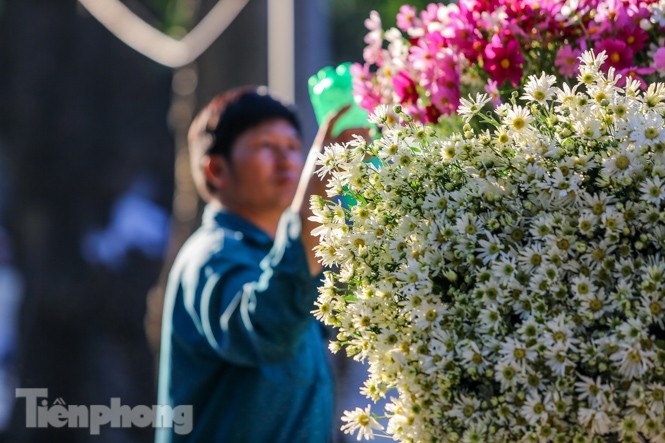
[(264, 169)]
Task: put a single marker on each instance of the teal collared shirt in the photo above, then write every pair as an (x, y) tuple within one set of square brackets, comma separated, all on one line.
[(239, 343)]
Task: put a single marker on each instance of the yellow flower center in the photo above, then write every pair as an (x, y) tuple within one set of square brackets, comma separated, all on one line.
[(655, 308), (519, 123), (559, 336), (595, 305), (651, 132), (583, 288), (536, 259), (634, 357), (622, 162), (539, 408)]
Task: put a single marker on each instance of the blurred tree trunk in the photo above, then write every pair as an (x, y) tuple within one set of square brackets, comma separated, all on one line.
[(83, 117)]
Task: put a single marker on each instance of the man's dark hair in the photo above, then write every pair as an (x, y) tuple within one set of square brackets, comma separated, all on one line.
[(226, 116), (244, 110)]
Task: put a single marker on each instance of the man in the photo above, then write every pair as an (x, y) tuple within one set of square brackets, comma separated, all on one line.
[(238, 341)]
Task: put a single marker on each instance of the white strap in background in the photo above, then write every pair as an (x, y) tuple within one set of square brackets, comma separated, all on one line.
[(156, 45)]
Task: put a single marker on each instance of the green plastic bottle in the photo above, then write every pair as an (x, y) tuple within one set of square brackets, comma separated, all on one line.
[(330, 89)]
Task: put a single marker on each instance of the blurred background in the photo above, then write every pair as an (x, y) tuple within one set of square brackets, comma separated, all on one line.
[(95, 193)]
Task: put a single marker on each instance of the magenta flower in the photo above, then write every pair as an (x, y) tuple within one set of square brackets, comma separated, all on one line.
[(365, 92), (619, 54), (635, 37), (636, 74), (448, 49), (432, 114), (405, 88), (424, 56), (461, 32), (504, 60), (444, 89), (444, 98), (567, 61)]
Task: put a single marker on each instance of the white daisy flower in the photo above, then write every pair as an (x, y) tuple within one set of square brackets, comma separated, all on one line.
[(510, 276), (595, 420), (593, 391), (361, 421), (539, 89), (517, 119), (566, 95), (513, 352), (489, 248), (653, 190), (557, 358), (471, 106), (534, 410), (633, 361), (656, 398), (591, 61), (506, 374)]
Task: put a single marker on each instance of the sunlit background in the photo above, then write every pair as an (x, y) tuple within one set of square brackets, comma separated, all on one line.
[(95, 193)]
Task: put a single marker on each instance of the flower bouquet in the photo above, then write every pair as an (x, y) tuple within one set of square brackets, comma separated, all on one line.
[(445, 52), (505, 284)]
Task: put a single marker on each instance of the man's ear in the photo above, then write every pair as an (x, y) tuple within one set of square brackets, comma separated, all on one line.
[(216, 170)]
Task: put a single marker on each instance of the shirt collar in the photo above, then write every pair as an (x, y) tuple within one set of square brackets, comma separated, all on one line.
[(214, 216)]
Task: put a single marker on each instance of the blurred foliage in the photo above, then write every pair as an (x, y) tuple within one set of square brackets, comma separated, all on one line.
[(174, 17), (348, 28), (347, 20)]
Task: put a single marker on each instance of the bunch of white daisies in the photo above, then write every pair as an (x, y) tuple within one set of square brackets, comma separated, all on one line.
[(506, 284)]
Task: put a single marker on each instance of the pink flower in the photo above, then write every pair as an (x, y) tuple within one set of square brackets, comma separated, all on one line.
[(492, 89), (567, 61), (609, 13), (636, 74), (444, 99), (432, 13), (432, 114), (461, 32), (372, 53), (619, 55), (634, 36), (418, 114), (405, 88), (503, 61), (365, 92), (659, 59), (448, 48), (445, 86), (407, 18), (424, 56)]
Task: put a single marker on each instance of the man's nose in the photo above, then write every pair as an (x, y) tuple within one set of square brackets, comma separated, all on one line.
[(283, 154)]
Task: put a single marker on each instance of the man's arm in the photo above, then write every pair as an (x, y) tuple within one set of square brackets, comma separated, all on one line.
[(311, 184), (249, 313)]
